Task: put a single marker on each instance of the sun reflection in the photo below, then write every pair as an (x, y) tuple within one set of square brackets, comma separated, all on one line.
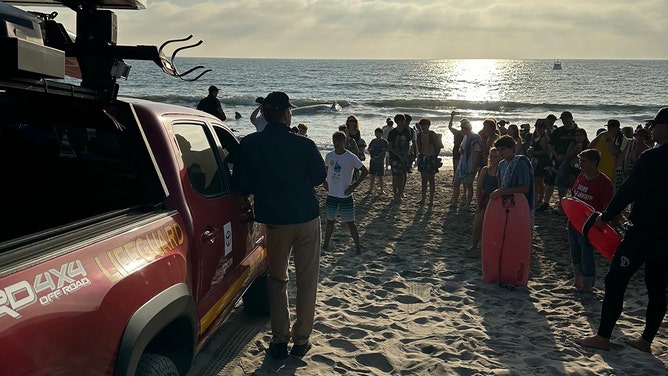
[(477, 80)]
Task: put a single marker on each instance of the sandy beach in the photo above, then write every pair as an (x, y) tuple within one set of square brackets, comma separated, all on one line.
[(414, 303)]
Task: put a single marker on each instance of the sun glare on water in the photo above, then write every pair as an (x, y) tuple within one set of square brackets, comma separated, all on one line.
[(477, 80)]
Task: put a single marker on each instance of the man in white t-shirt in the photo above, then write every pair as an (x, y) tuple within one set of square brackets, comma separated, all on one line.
[(340, 165)]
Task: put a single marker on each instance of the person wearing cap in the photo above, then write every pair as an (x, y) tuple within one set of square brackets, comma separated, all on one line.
[(639, 144), (644, 242), (281, 170), (612, 145), (211, 104), (559, 141)]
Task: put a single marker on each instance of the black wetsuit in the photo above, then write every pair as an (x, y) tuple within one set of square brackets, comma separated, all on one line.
[(645, 242), (210, 104)]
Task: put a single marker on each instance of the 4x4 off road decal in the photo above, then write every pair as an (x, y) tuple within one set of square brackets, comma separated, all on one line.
[(46, 288)]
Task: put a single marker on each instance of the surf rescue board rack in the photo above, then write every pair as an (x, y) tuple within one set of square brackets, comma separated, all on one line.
[(35, 47)]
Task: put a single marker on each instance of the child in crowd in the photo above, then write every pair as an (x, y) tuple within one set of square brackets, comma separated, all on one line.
[(302, 129), (572, 157), (429, 146), (596, 189), (377, 149), (339, 184)]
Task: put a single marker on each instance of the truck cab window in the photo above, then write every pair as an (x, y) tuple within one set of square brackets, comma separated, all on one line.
[(200, 160)]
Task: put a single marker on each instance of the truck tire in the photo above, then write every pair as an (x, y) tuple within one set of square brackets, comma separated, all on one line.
[(256, 298), (156, 365)]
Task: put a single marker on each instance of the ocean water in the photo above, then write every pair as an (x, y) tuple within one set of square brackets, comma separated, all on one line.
[(519, 91)]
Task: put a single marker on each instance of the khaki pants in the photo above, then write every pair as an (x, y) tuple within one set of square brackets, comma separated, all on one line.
[(304, 240)]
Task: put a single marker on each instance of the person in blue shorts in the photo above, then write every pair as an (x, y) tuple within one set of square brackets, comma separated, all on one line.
[(340, 165)]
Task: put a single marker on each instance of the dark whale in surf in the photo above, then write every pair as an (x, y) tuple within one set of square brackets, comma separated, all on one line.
[(317, 108)]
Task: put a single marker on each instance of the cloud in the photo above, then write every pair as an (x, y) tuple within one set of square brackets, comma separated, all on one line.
[(406, 29)]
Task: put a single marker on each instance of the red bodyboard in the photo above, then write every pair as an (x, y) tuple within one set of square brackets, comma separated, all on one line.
[(605, 240), (506, 240)]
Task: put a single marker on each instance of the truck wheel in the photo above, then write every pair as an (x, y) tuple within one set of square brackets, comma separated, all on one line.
[(256, 298), (156, 365)]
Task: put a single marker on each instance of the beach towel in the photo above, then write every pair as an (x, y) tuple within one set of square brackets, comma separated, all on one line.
[(509, 171), (466, 162)]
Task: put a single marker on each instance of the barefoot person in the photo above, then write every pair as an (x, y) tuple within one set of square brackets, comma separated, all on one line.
[(643, 243), (377, 149), (595, 188), (340, 165), (471, 151), (401, 144), (429, 146)]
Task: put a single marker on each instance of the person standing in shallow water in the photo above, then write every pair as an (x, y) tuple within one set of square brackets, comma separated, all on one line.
[(644, 242), (211, 104), (281, 169)]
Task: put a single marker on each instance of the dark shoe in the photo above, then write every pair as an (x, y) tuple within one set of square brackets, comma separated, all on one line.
[(278, 350), (544, 206), (300, 350)]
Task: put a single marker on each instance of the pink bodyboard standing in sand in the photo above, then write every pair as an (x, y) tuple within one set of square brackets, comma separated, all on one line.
[(605, 240), (506, 240)]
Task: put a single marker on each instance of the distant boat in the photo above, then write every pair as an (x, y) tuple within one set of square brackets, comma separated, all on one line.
[(557, 65)]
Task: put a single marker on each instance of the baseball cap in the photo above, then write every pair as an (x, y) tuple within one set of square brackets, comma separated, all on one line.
[(277, 101), (502, 122), (566, 114), (212, 89), (660, 118), (551, 117), (526, 126), (613, 123)]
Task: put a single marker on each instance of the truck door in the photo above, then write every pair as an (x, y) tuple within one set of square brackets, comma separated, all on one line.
[(221, 223)]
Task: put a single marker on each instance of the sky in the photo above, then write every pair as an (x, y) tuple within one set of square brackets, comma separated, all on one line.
[(397, 29)]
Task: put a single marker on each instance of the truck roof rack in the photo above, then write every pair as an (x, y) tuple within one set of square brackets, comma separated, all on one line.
[(36, 47), (99, 4)]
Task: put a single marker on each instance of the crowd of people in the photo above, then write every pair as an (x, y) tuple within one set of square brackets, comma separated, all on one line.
[(610, 172)]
